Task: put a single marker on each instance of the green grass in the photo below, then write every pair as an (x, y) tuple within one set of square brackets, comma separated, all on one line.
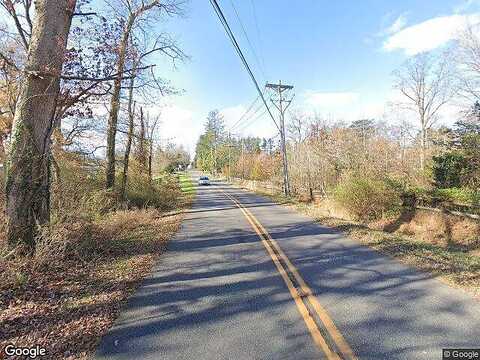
[(186, 184)]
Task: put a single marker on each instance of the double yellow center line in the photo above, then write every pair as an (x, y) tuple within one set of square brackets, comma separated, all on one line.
[(324, 332)]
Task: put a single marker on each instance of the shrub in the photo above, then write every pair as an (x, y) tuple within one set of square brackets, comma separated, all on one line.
[(447, 169), (78, 190), (458, 195), (162, 192), (367, 198)]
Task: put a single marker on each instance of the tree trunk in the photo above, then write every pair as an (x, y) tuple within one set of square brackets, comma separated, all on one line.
[(131, 117), (115, 105), (150, 159), (150, 152), (423, 145), (141, 151), (28, 166)]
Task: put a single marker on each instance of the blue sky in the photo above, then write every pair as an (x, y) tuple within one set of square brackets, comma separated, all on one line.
[(339, 55)]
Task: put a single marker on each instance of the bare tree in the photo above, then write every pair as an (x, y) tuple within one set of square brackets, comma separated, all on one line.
[(27, 181), (467, 58), (135, 12), (426, 82)]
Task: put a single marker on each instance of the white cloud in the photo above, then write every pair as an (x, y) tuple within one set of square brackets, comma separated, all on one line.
[(345, 106), (330, 99), (178, 125), (398, 25), (232, 114), (429, 34)]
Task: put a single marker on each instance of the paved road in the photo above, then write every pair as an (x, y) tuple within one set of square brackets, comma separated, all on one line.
[(217, 294)]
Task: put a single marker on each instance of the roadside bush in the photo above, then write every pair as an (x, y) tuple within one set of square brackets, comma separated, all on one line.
[(458, 195), (78, 190), (367, 198), (162, 192), (87, 221), (447, 169)]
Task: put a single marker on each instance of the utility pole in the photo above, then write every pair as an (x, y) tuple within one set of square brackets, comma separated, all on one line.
[(280, 89), (230, 145)]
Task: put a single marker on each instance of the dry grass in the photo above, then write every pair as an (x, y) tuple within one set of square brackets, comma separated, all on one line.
[(67, 305), (87, 263), (444, 245), (454, 262), (443, 229)]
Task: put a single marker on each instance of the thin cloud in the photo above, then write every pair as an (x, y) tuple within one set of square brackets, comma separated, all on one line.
[(232, 114), (396, 26), (430, 34), (330, 99), (465, 5)]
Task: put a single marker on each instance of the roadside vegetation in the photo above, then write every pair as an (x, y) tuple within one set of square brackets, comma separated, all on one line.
[(429, 249), (405, 183), (93, 255), (91, 196), (187, 185)]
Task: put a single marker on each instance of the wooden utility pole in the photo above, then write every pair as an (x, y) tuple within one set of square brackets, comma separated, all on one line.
[(243, 159), (279, 104), (230, 145)]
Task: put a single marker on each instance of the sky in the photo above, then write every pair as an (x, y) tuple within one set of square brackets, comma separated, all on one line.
[(338, 55)]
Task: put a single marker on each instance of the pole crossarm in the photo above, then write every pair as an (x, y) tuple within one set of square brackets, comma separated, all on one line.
[(279, 87)]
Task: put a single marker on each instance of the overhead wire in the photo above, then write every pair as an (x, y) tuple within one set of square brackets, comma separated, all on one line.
[(231, 36), (252, 48), (245, 113), (259, 37), (245, 126), (250, 117)]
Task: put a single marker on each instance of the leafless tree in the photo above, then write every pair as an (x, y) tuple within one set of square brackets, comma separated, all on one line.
[(133, 14), (427, 84), (131, 126), (467, 59)]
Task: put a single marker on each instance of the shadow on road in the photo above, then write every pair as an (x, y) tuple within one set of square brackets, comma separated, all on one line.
[(217, 275)]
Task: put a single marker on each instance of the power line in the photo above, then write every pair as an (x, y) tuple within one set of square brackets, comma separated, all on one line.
[(259, 37), (252, 121), (237, 15), (229, 32), (246, 112), (250, 116)]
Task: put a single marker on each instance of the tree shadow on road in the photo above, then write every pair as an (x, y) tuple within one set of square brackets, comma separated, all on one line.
[(216, 288)]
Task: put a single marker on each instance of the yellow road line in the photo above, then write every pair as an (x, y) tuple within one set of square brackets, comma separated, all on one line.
[(327, 322)]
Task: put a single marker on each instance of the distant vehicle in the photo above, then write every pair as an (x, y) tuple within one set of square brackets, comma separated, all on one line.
[(204, 180)]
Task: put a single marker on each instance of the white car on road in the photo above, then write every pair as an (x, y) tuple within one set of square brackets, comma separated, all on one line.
[(203, 180)]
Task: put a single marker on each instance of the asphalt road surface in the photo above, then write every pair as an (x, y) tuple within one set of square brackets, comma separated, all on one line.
[(248, 279)]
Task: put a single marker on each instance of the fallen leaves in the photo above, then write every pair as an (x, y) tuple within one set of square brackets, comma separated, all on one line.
[(67, 309)]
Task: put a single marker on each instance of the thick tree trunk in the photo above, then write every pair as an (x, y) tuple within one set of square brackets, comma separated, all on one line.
[(28, 166), (115, 105)]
